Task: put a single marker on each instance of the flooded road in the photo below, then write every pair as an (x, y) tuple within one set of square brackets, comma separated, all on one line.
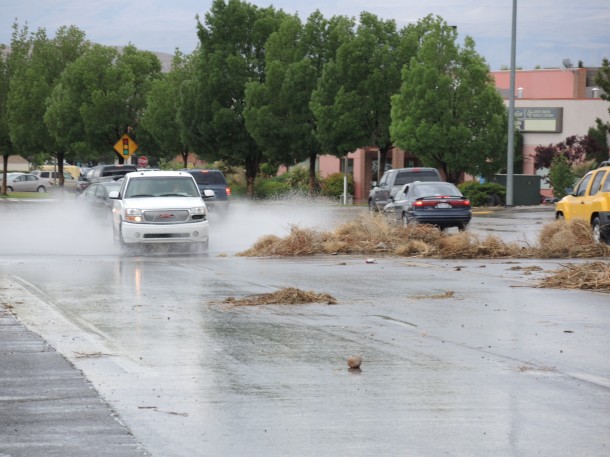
[(460, 358)]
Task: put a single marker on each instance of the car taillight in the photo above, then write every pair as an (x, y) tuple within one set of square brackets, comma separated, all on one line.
[(461, 203), (422, 203), (228, 191)]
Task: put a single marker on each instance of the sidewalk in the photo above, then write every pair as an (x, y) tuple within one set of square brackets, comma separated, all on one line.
[(47, 407)]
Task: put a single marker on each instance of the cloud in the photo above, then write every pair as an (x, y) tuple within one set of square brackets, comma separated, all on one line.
[(545, 29)]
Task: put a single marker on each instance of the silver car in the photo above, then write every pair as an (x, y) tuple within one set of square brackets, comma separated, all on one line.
[(24, 182)]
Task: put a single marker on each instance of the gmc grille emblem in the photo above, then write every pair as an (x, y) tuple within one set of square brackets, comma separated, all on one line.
[(166, 216)]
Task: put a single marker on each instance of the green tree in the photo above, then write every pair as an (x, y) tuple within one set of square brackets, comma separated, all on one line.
[(232, 53), (561, 175), (352, 101), (32, 85), (10, 62), (277, 112), (160, 118), (602, 79), (100, 97), (596, 142), (448, 111)]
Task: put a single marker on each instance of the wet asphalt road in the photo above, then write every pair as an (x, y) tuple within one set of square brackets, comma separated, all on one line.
[(461, 358)]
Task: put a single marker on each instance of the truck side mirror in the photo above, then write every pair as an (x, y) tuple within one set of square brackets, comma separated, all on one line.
[(373, 184)]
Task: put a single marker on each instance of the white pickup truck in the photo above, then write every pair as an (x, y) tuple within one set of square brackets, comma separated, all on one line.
[(160, 207)]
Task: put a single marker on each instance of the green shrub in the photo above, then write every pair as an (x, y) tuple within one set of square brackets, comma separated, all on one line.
[(487, 194), (561, 176), (271, 188), (332, 185), (297, 178)]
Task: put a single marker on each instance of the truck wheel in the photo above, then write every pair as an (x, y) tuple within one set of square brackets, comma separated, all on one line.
[(372, 207), (408, 222), (599, 235)]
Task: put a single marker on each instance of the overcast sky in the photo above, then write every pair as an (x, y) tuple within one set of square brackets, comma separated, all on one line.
[(548, 31)]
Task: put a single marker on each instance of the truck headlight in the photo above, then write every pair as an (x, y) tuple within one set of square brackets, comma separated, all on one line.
[(133, 215), (199, 211)]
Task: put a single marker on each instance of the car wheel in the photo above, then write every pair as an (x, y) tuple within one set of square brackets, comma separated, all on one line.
[(559, 217), (9, 189), (41, 189), (200, 247), (462, 227), (406, 221), (119, 240), (597, 230)]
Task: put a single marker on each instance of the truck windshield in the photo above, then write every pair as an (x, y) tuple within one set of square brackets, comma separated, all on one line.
[(161, 187)]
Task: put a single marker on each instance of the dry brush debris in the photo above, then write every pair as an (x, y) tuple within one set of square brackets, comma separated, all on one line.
[(590, 275), (372, 234), (286, 296)]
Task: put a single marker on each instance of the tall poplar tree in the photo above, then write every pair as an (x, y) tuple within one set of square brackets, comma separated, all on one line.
[(448, 111), (278, 113), (352, 101), (232, 53)]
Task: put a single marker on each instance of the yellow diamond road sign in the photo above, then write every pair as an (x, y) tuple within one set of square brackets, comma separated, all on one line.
[(125, 146)]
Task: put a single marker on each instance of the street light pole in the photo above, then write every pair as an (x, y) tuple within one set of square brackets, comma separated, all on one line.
[(511, 112)]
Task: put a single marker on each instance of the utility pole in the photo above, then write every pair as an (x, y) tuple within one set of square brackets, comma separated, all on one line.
[(511, 112)]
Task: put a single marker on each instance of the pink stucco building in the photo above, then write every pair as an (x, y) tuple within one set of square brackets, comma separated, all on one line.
[(550, 105)]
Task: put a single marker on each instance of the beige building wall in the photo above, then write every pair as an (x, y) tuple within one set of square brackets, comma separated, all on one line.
[(578, 117)]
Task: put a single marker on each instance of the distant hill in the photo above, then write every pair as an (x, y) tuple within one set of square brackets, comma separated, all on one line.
[(166, 60)]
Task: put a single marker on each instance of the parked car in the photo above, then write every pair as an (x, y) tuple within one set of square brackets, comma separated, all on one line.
[(74, 171), (51, 179), (101, 173), (590, 201), (213, 180), (437, 203), (160, 207), (392, 180), (96, 196), (24, 182)]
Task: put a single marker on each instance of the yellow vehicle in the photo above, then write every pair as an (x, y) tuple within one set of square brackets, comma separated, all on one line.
[(72, 169), (590, 201)]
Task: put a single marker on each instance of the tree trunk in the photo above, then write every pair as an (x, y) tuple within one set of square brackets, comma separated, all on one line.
[(4, 168), (185, 157), (312, 173), (383, 155), (60, 168), (252, 165)]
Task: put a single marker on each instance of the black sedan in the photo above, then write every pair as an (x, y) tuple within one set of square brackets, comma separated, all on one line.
[(437, 203)]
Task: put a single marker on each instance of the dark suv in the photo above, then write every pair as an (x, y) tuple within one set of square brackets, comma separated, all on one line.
[(102, 173), (213, 180)]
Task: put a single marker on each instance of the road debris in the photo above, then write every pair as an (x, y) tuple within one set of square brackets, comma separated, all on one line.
[(372, 234), (354, 362), (446, 294), (590, 275), (83, 355), (287, 296)]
